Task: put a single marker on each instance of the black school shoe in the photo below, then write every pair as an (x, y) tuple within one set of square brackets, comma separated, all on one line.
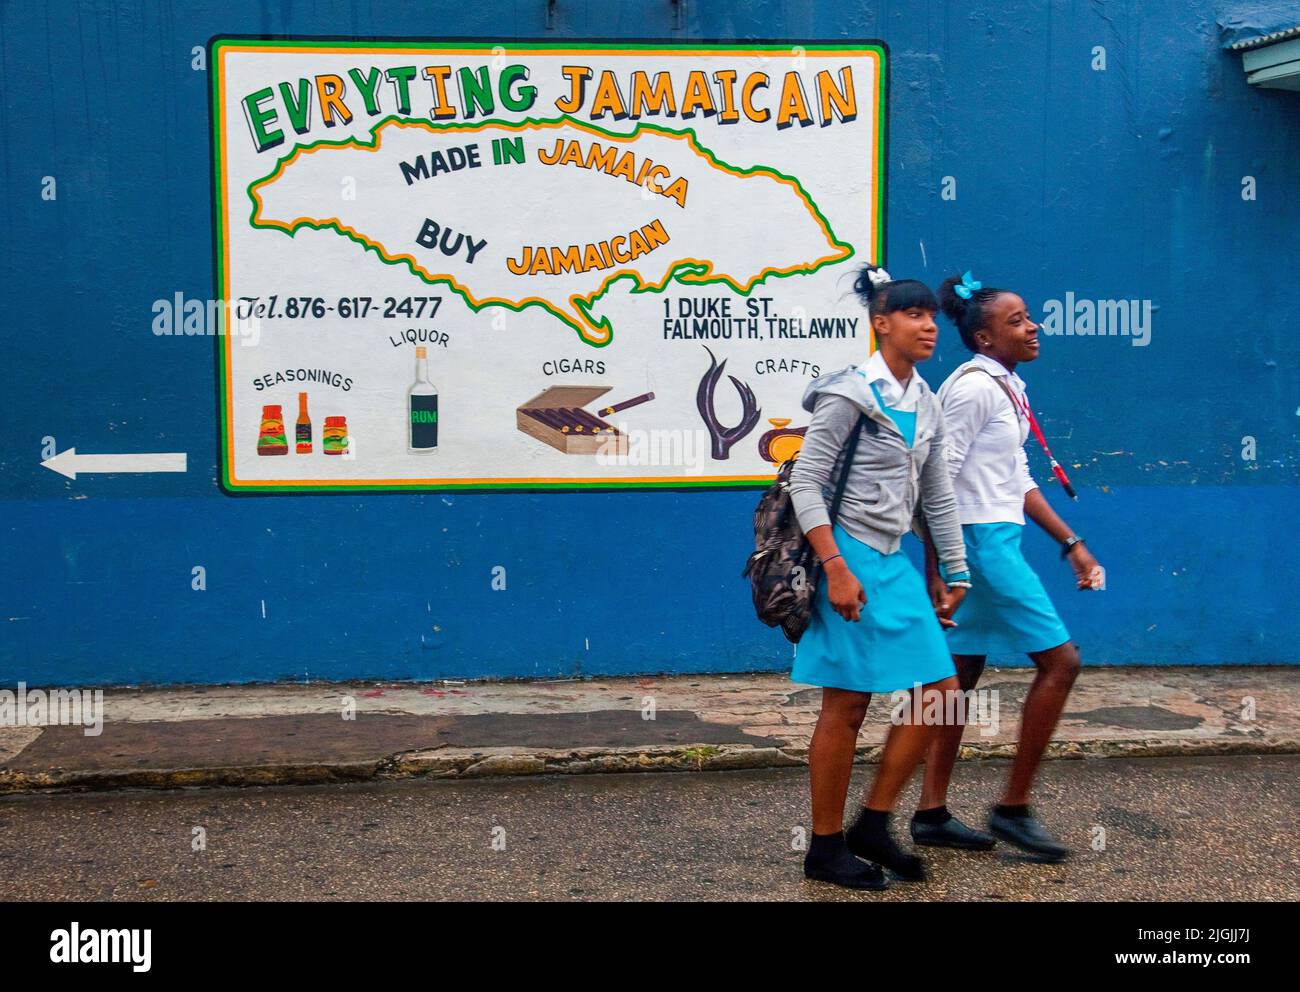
[(951, 833), (843, 869), (875, 844), (1029, 835)]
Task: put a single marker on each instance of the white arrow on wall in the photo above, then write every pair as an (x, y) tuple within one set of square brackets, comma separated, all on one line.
[(69, 463)]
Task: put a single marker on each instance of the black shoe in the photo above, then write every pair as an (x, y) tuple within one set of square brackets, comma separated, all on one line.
[(880, 847), (1029, 835), (951, 833), (842, 868)]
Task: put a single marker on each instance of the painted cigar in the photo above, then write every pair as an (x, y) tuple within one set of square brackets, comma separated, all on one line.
[(585, 422), (548, 418), (570, 420), (634, 401)]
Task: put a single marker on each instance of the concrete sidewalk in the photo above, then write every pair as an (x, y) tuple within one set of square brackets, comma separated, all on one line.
[(298, 734)]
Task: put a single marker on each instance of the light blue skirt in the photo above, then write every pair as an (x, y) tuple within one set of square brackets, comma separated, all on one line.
[(897, 642), (1006, 610)]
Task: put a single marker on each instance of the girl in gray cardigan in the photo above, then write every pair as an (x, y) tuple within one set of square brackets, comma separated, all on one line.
[(873, 626)]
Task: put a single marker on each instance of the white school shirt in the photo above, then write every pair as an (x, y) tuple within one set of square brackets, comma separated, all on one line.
[(986, 443), (894, 394)]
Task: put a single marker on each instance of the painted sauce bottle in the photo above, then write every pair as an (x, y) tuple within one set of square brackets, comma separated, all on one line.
[(422, 407), (271, 439), (302, 430)]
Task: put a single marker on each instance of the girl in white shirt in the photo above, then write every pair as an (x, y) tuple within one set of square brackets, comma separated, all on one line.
[(987, 413)]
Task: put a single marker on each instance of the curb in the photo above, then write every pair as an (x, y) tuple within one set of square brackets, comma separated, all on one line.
[(502, 762)]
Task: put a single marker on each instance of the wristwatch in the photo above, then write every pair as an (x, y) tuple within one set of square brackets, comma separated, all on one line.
[(1068, 544)]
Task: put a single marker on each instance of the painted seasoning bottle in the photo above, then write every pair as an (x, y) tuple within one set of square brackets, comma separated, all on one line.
[(302, 429), (422, 407), (271, 439), (334, 439)]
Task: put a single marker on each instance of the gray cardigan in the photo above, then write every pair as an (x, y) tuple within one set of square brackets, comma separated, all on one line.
[(887, 478)]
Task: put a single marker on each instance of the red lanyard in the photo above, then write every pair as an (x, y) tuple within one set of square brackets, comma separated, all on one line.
[(1022, 406)]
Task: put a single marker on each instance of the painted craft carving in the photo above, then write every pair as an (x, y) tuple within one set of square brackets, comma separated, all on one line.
[(722, 438), (782, 442)]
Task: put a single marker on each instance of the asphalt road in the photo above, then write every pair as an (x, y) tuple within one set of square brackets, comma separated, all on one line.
[(1198, 829)]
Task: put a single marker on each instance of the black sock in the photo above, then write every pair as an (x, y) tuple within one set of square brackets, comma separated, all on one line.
[(826, 846), (870, 823), (1013, 812), (938, 814)]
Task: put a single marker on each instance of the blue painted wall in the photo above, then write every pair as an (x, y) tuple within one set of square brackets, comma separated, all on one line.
[(1123, 183)]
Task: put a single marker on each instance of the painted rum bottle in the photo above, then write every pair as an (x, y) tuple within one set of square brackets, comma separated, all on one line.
[(422, 407)]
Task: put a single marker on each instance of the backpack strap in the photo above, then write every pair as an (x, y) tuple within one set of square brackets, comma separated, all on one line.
[(1001, 385), (850, 448)]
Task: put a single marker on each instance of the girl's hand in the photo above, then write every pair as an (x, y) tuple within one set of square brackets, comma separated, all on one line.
[(845, 591), (947, 606), (937, 588), (1083, 563)]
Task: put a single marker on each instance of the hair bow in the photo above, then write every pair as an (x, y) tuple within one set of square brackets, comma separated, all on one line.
[(967, 286)]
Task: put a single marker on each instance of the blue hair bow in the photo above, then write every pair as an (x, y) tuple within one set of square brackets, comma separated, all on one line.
[(967, 286)]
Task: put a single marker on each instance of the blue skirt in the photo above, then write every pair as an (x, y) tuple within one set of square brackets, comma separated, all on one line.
[(897, 642), (1006, 610)]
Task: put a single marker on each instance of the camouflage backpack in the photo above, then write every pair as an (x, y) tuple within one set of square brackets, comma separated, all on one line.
[(783, 571)]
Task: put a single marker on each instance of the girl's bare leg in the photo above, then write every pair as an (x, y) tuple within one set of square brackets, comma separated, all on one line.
[(869, 837), (1057, 670), (830, 755), (830, 767), (942, 756)]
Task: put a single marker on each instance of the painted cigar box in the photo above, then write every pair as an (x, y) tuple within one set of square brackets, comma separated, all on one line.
[(556, 417)]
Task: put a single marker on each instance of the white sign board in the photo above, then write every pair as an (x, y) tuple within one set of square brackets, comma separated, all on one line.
[(536, 265)]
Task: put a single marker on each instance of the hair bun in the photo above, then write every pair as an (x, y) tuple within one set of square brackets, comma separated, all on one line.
[(966, 309), (952, 305), (870, 279)]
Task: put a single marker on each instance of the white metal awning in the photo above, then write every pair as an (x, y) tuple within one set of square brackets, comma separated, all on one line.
[(1272, 60)]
